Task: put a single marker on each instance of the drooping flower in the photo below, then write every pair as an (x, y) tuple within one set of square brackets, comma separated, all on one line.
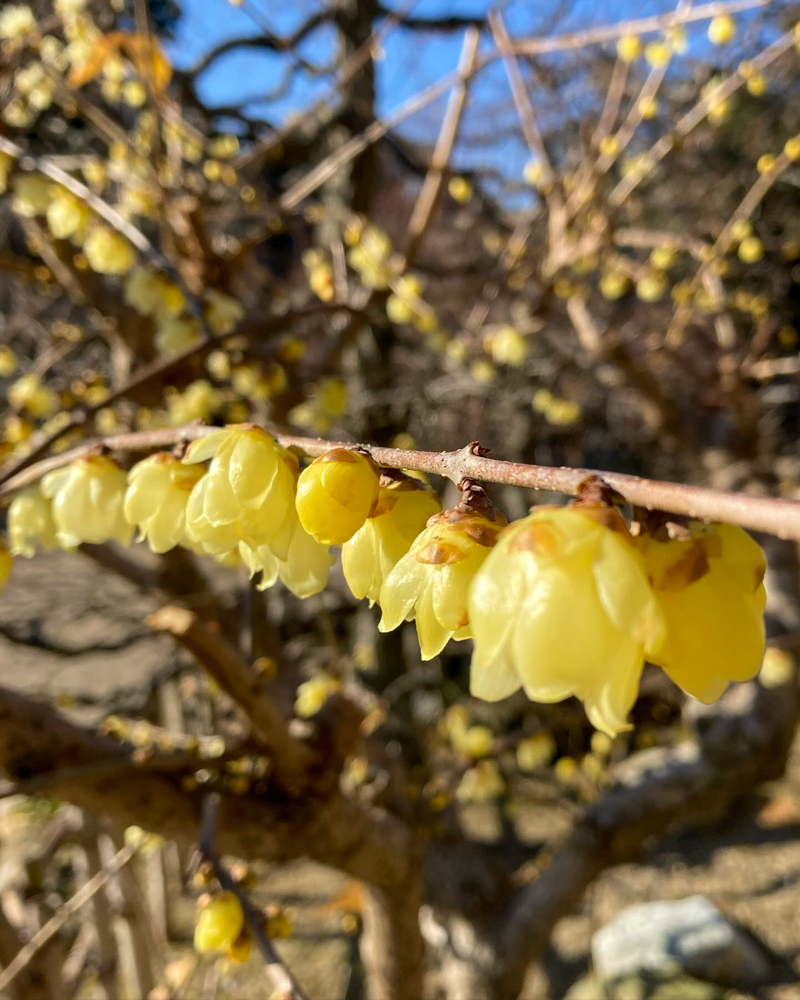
[(335, 495), (403, 508), (561, 607), (31, 524), (67, 216), (431, 582), (108, 252), (219, 923), (248, 493), (304, 571), (155, 502), (87, 500), (710, 588)]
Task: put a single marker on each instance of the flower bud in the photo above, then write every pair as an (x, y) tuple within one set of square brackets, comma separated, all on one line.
[(335, 495), (710, 589), (562, 607), (155, 502), (87, 500), (219, 923), (30, 523)]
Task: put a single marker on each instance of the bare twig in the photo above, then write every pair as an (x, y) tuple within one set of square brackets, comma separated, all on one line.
[(775, 516), (242, 682), (159, 369), (57, 921), (279, 973), (40, 164), (431, 186)]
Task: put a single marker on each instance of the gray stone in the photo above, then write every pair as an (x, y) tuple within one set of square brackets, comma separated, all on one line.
[(681, 937)]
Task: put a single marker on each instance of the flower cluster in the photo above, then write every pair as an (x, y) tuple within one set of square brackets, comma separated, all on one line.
[(569, 603), (564, 602)]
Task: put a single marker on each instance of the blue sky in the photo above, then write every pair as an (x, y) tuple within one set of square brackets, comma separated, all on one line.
[(412, 61)]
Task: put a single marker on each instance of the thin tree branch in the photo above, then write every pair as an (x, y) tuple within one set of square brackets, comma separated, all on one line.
[(265, 40), (279, 973), (290, 759), (775, 516), (161, 367), (431, 186), (40, 164), (331, 829), (57, 921)]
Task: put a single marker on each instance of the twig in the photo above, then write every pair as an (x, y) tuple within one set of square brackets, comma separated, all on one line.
[(282, 979), (290, 759), (57, 921), (534, 46), (431, 186), (161, 367), (40, 164), (693, 118), (775, 516)]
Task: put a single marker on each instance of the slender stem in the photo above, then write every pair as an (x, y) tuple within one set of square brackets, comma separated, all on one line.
[(284, 982), (57, 921), (775, 516)]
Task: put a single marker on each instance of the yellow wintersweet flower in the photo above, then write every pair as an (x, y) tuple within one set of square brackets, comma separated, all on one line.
[(651, 287), (152, 295), (663, 258), (304, 571), (248, 494), (8, 362), (30, 524), (474, 741), (222, 311), (32, 194), (613, 285), (335, 495), (481, 783), (535, 751), (198, 401), (17, 20), (28, 393), (629, 48), (403, 508), (87, 500), (108, 252), (219, 923), (459, 189), (67, 216), (657, 54), (155, 502), (507, 346), (176, 334), (6, 564), (370, 257), (710, 588), (6, 163), (312, 694), (721, 29), (561, 607), (431, 582), (240, 950), (751, 250)]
